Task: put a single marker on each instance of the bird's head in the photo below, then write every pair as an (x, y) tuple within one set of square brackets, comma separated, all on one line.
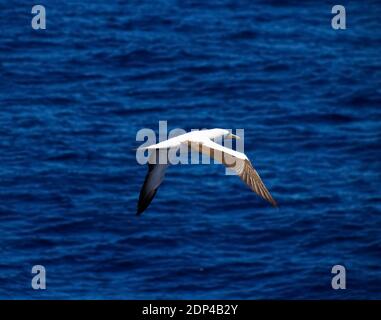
[(228, 135), (216, 133), (232, 136)]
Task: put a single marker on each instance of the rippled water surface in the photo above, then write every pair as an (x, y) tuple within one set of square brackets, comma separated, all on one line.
[(73, 96)]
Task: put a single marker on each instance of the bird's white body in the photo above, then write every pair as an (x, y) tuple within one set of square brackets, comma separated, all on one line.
[(202, 137)]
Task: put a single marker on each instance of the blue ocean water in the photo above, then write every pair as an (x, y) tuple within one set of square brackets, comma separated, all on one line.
[(73, 96)]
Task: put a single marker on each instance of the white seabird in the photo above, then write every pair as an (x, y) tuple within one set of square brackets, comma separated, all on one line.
[(200, 141)]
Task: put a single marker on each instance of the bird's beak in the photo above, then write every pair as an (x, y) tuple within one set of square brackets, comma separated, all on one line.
[(232, 136)]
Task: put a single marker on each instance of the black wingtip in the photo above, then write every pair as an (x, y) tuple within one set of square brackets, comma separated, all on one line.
[(273, 203), (140, 209)]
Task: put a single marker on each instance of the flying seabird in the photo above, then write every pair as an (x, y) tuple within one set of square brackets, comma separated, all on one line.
[(200, 141)]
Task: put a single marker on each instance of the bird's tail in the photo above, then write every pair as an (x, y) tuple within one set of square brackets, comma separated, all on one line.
[(150, 148), (143, 148)]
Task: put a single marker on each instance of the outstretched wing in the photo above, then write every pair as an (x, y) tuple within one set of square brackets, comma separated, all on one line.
[(236, 161), (154, 178)]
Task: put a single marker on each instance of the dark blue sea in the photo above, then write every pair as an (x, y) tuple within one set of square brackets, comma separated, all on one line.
[(73, 96)]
